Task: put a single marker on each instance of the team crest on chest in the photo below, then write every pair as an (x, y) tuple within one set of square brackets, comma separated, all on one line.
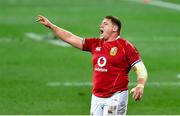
[(113, 51)]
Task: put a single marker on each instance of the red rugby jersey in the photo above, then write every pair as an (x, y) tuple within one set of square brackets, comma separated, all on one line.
[(111, 63)]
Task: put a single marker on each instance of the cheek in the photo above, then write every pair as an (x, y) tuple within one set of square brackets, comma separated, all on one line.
[(108, 29)]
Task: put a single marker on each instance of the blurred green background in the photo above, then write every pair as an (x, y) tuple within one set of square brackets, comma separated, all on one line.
[(34, 75)]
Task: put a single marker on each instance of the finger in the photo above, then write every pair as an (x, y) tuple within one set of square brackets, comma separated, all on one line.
[(136, 97), (136, 94), (40, 18), (139, 96), (132, 90)]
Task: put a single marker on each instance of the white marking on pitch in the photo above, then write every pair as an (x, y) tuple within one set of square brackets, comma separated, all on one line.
[(178, 76), (161, 4), (5, 40), (38, 37), (69, 84)]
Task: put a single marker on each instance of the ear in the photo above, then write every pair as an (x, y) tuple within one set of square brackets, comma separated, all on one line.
[(115, 28)]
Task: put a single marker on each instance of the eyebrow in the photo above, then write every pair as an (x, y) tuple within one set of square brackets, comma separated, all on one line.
[(105, 22)]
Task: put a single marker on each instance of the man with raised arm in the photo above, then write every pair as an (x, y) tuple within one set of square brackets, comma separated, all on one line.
[(112, 58)]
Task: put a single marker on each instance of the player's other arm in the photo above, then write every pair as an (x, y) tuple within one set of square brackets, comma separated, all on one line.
[(61, 33), (141, 72)]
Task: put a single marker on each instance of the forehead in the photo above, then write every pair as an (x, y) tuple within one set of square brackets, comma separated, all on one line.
[(106, 20)]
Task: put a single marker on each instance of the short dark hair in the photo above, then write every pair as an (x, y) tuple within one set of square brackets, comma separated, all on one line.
[(115, 20)]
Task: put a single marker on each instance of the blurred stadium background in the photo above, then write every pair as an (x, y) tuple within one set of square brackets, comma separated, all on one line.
[(38, 77)]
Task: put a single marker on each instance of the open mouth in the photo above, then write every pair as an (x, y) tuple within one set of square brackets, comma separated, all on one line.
[(101, 31)]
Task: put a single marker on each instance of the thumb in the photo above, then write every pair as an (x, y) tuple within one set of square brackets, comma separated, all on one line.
[(132, 90), (42, 19)]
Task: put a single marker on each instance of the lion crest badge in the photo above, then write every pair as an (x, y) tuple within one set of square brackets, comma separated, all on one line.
[(113, 51)]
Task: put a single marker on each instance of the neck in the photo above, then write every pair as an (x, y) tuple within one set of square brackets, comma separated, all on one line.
[(113, 37)]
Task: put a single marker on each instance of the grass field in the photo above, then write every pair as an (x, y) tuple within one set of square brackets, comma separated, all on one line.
[(27, 66)]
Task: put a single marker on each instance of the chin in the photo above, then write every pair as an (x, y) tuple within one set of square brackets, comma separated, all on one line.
[(101, 37)]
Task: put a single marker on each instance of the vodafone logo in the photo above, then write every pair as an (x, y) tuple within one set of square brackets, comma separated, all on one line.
[(101, 61)]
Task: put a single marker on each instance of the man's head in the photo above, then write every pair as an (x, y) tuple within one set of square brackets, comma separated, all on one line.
[(110, 26)]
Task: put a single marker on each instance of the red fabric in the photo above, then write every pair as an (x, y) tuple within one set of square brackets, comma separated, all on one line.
[(111, 64)]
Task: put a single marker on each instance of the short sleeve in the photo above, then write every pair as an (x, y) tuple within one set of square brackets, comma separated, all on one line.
[(133, 55), (88, 43)]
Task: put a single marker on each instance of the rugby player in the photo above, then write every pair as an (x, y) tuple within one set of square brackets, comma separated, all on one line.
[(112, 57)]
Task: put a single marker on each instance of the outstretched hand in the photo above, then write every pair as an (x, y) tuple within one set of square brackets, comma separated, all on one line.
[(43, 20), (137, 92)]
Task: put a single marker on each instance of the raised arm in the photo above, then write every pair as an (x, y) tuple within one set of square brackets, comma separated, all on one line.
[(141, 72), (61, 33)]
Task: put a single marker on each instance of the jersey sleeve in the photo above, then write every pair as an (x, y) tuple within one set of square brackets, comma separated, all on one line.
[(133, 55), (87, 44)]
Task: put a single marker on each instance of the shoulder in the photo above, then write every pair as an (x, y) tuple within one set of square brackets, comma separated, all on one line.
[(91, 40), (89, 43), (125, 42)]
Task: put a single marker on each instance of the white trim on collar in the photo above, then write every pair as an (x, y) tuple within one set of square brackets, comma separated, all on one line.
[(117, 37)]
